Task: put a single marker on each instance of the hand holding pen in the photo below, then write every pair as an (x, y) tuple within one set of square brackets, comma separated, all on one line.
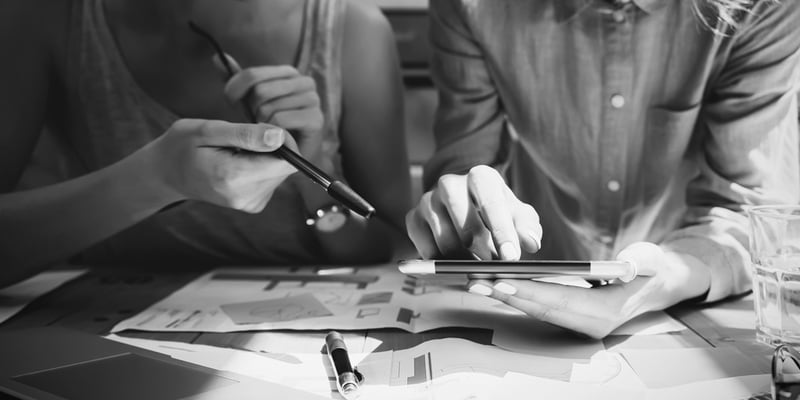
[(291, 103), (280, 96)]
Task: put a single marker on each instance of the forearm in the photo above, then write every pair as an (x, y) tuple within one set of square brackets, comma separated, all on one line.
[(53, 223)]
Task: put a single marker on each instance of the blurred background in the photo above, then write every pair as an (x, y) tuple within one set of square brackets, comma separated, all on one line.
[(409, 20)]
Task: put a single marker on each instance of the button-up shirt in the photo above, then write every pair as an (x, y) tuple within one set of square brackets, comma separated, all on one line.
[(624, 122)]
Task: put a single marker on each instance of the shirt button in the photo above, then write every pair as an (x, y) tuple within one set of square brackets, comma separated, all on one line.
[(619, 16), (613, 186), (617, 101)]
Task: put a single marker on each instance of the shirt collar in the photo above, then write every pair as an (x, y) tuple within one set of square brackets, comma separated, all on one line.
[(566, 9)]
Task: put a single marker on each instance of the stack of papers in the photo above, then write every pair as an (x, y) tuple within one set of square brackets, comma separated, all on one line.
[(230, 300)]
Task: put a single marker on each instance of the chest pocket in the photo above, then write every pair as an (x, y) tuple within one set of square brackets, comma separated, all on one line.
[(667, 143)]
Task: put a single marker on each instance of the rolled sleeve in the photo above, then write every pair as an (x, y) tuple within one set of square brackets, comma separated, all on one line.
[(748, 132), (469, 125)]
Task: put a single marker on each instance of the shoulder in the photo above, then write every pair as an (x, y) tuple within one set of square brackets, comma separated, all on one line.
[(364, 17), (772, 15), (366, 30)]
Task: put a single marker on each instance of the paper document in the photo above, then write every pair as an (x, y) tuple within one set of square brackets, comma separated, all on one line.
[(229, 300), (14, 298), (438, 369), (675, 367)]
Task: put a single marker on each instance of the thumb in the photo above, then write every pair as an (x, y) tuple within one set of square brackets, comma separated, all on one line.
[(645, 256), (252, 137), (232, 68)]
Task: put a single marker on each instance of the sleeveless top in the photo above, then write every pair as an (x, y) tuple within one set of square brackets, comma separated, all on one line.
[(110, 116)]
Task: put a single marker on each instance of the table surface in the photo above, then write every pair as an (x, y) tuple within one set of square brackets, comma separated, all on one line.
[(101, 298)]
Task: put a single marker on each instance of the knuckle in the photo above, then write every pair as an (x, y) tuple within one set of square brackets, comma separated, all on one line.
[(446, 183), (312, 99), (249, 75), (183, 124), (265, 112), (262, 92), (543, 314), (562, 304), (289, 70), (425, 202), (281, 119), (310, 84), (499, 234), (207, 128), (282, 87), (482, 170)]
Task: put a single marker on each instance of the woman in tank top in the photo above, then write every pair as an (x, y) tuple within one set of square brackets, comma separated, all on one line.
[(124, 92)]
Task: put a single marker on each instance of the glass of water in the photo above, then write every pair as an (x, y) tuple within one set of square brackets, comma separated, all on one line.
[(775, 254)]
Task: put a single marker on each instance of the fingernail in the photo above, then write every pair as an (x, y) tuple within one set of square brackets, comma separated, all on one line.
[(273, 137), (508, 251), (533, 237), (482, 290), (505, 288)]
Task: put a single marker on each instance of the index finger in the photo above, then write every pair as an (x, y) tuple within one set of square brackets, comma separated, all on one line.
[(487, 193), (260, 138)]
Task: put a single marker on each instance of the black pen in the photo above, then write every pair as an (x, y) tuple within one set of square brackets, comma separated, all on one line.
[(346, 376), (528, 269), (336, 189)]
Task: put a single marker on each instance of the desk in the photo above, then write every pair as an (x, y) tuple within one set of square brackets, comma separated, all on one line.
[(96, 301)]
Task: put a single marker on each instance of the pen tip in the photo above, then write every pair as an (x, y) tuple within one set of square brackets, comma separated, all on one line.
[(351, 199)]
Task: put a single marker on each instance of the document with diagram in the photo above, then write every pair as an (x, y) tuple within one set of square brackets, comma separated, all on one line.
[(229, 300)]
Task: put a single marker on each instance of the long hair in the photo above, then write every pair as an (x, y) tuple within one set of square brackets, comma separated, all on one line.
[(722, 16)]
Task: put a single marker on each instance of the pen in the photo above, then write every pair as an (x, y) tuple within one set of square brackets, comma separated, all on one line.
[(335, 188), (529, 269), (346, 379)]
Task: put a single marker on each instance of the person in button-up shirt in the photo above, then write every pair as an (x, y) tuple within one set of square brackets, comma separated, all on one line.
[(638, 130)]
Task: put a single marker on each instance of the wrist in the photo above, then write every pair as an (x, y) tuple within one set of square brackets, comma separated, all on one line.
[(669, 277), (686, 277), (140, 182)]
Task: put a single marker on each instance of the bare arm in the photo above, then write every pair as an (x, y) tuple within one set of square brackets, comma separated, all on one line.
[(47, 225), (373, 147), (41, 226), (373, 133)]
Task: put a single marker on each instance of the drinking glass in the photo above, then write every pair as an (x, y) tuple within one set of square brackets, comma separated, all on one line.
[(775, 255)]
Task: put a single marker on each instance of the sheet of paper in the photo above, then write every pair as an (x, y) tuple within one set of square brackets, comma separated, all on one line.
[(230, 300), (675, 367), (741, 387), (14, 298), (652, 323), (437, 369)]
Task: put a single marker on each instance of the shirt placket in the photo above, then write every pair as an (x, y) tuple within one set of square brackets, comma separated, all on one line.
[(617, 90)]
